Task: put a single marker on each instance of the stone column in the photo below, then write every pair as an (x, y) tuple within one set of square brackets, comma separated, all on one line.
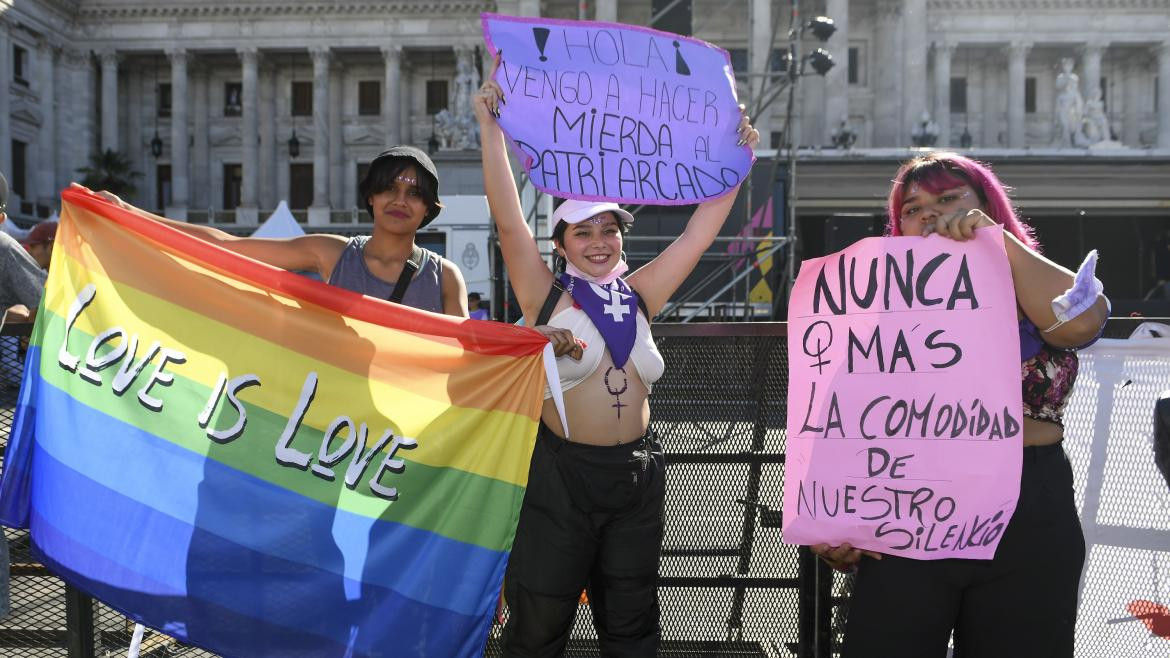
[(47, 142), (134, 82), (1163, 52), (391, 83), (837, 80), (406, 131), (942, 90), (110, 140), (1017, 56), (760, 38), (63, 169), (607, 11), (1135, 71), (914, 74), (884, 75), (974, 112), (1091, 69), (267, 163), (336, 143), (81, 119), (200, 156), (285, 124), (179, 135), (319, 210), (5, 101), (993, 100), (248, 213)]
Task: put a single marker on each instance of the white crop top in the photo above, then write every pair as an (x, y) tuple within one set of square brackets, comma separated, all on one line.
[(645, 357)]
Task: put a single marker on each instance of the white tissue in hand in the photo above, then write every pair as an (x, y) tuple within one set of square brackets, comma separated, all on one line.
[(1083, 293)]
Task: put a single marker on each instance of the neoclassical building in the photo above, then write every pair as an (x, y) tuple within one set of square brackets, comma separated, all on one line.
[(226, 108)]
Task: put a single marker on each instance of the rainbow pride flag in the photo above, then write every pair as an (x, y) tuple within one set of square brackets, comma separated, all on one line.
[(261, 464)]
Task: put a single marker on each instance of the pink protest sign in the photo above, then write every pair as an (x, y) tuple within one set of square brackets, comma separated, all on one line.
[(904, 409), (601, 111)]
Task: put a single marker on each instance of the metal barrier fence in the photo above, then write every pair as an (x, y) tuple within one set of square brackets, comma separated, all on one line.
[(729, 586)]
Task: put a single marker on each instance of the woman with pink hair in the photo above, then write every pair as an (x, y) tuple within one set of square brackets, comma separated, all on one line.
[(1024, 601)]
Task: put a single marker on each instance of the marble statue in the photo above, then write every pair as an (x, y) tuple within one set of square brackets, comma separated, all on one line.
[(456, 127), (1069, 108), (926, 132), (1096, 124)]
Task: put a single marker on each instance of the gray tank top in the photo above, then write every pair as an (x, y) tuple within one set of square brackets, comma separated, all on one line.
[(425, 291)]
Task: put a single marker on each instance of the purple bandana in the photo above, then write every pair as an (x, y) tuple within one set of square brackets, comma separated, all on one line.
[(613, 309)]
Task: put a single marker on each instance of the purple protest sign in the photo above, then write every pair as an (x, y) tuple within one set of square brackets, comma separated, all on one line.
[(601, 111), (904, 405)]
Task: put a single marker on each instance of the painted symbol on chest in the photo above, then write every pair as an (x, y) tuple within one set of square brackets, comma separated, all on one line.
[(616, 392)]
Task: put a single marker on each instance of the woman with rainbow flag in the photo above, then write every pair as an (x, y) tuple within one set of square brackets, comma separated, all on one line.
[(401, 191), (593, 513)]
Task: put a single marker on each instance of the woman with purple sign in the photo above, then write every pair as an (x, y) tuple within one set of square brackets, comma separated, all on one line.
[(1024, 601), (593, 512)]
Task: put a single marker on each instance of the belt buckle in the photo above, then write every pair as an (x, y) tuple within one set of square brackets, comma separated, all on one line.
[(646, 454), (642, 457)]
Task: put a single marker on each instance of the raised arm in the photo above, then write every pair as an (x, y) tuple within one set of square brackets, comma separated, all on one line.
[(657, 280), (1036, 279), (313, 253), (530, 276)]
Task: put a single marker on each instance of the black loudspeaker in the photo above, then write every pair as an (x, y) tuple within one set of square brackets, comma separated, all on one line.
[(843, 229), (677, 18)]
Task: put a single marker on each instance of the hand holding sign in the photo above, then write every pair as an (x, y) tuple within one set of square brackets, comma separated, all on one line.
[(614, 112), (959, 225), (904, 416), (488, 100), (843, 558)]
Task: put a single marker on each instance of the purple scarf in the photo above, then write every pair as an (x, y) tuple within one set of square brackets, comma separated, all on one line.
[(613, 309)]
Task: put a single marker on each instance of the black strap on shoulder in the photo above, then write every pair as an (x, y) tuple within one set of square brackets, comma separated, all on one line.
[(409, 269), (642, 305), (550, 302)]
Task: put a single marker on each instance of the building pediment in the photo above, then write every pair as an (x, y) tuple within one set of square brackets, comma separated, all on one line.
[(103, 11), (1042, 5), (363, 135), (26, 113), (223, 136)]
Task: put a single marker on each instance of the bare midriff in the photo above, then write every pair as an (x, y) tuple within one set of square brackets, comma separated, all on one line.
[(1041, 432), (602, 412)]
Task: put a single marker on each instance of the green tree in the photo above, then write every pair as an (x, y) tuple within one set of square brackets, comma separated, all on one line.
[(110, 170)]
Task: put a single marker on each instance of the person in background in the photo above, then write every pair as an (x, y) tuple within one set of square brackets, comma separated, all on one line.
[(475, 305), (21, 279), (22, 282), (1024, 601), (39, 243)]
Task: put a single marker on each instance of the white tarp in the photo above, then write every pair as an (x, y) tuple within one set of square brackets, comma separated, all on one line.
[(10, 227), (1123, 501), (280, 224), (466, 222)]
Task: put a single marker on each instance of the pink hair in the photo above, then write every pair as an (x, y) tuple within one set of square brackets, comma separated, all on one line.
[(942, 170)]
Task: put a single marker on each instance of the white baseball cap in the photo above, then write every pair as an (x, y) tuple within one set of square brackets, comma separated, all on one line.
[(573, 211)]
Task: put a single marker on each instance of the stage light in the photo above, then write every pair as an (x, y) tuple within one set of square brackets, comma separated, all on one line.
[(822, 28), (821, 61)]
